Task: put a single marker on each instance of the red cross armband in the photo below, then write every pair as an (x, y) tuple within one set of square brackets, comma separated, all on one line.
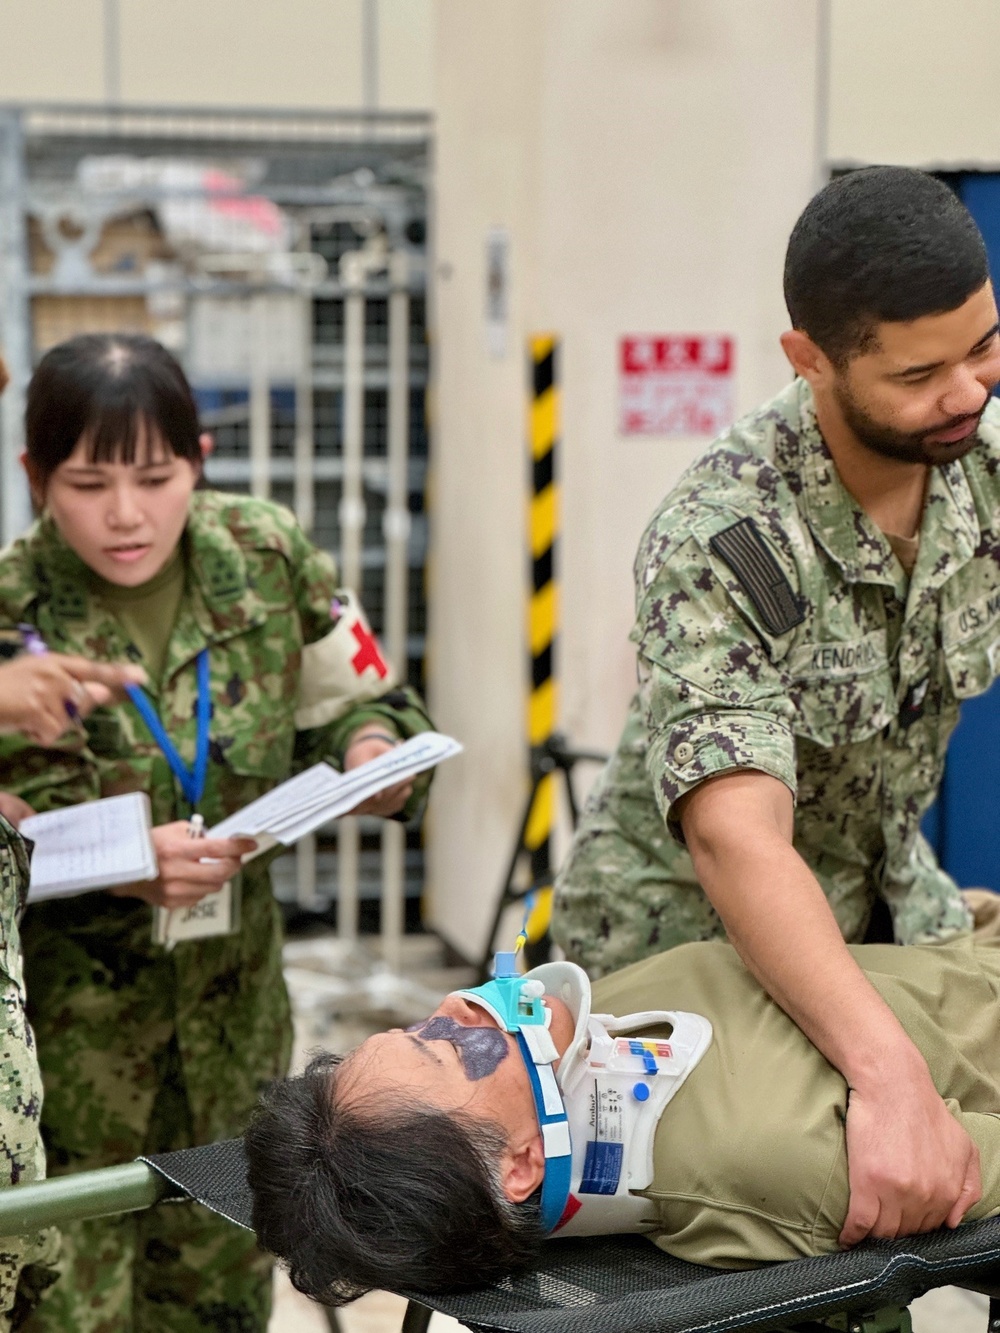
[(344, 668)]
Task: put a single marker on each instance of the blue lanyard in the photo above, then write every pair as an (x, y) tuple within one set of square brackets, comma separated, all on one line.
[(192, 780)]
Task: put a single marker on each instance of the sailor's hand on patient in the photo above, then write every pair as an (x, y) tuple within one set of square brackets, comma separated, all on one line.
[(189, 867), (911, 1166), (369, 742)]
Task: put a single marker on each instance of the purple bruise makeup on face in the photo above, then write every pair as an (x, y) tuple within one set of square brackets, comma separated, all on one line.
[(480, 1050)]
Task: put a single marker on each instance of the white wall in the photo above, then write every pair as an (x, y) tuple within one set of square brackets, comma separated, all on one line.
[(915, 82), (252, 53), (648, 160)]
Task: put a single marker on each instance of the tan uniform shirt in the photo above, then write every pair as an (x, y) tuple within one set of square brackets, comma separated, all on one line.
[(750, 1156)]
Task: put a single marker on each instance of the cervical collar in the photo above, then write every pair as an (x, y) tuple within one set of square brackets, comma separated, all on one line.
[(515, 1004), (598, 1114)]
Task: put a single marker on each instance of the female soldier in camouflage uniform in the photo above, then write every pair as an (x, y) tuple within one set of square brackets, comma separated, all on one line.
[(144, 1049)]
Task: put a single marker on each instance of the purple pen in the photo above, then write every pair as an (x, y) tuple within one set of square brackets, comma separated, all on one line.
[(33, 641)]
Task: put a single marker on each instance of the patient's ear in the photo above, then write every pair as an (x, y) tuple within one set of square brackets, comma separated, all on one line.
[(523, 1169)]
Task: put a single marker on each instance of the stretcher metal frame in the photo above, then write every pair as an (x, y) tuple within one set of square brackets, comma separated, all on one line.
[(615, 1284)]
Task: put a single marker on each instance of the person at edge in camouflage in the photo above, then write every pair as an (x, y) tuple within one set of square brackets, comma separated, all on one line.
[(814, 599), (143, 1048), (34, 693)]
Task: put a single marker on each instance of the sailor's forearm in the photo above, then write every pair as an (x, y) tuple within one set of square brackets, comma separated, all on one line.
[(778, 919)]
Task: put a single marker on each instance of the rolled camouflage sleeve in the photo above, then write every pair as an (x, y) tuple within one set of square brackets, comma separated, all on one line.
[(713, 699)]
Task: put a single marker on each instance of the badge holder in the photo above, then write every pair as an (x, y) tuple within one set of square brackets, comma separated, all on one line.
[(214, 915)]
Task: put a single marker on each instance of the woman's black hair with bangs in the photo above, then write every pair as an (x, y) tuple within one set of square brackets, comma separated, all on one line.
[(103, 388)]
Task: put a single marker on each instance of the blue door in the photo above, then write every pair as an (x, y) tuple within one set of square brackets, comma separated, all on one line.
[(964, 825)]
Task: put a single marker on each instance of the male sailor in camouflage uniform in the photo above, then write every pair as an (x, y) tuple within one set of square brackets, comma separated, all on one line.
[(814, 599)]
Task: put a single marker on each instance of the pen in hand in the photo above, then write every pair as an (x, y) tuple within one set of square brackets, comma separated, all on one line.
[(36, 646)]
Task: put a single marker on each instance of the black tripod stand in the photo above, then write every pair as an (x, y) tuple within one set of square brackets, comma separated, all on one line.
[(553, 756)]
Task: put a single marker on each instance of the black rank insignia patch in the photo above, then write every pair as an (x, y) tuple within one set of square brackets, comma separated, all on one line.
[(760, 576)]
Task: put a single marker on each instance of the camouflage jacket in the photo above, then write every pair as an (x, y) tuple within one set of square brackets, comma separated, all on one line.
[(256, 592), (831, 670), (20, 1081), (13, 896)]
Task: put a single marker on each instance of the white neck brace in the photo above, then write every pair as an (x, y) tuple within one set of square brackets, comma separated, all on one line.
[(615, 1089)]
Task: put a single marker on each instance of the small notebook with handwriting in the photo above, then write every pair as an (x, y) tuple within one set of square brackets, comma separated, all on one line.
[(291, 811), (92, 846)]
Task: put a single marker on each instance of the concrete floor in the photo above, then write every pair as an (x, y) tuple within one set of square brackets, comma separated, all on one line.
[(950, 1310), (340, 995), (378, 1312)]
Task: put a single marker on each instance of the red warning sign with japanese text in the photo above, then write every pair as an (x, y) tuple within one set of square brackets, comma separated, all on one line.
[(676, 384)]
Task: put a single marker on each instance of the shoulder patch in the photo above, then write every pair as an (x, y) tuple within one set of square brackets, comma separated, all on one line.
[(745, 552)]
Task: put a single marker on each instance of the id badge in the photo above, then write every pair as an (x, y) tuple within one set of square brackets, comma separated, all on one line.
[(215, 914)]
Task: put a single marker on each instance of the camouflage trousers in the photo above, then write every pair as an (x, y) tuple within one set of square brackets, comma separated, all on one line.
[(613, 906), (24, 1260), (628, 889), (174, 1268), (618, 897)]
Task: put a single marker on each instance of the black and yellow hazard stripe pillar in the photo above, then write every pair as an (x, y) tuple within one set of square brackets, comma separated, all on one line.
[(543, 609)]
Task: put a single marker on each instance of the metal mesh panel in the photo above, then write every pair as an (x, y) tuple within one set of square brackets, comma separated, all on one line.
[(376, 422), (376, 323), (328, 321), (328, 422)]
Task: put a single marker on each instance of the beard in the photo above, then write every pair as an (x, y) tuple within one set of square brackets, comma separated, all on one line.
[(907, 446)]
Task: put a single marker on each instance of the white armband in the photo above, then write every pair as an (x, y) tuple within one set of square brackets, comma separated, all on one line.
[(344, 668)]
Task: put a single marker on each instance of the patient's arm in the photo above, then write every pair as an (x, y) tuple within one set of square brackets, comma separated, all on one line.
[(911, 1166)]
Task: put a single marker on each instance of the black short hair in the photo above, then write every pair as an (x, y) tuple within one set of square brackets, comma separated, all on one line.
[(883, 244), (102, 387), (399, 1198)]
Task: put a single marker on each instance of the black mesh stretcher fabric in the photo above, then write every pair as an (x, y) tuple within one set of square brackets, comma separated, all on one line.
[(623, 1284)]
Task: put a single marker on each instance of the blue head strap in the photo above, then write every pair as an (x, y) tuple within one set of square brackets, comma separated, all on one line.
[(516, 1004)]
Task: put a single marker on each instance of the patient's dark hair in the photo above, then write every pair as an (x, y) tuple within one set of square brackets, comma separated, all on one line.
[(884, 244), (102, 386), (400, 1197)]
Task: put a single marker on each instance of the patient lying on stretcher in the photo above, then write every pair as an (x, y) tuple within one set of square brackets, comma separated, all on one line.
[(440, 1157)]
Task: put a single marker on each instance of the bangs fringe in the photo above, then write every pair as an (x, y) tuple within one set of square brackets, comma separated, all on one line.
[(113, 435)]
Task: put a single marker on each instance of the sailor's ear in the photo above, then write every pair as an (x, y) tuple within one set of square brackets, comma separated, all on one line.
[(523, 1169), (806, 358)]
